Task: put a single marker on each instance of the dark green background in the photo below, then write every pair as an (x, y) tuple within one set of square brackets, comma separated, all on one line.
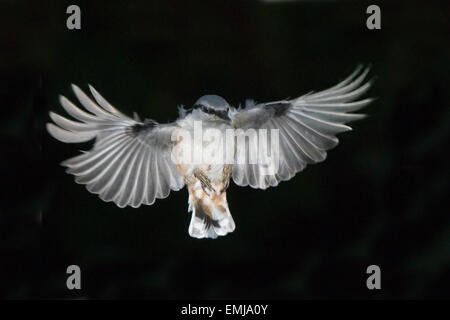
[(378, 199)]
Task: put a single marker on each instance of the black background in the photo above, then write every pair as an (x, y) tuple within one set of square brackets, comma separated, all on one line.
[(377, 199)]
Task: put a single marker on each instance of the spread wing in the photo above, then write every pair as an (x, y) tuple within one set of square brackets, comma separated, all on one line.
[(130, 162), (307, 128)]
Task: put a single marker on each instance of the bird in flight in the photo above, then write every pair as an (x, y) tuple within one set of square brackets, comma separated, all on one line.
[(132, 161)]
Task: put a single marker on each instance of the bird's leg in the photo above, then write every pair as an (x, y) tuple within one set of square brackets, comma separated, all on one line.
[(226, 175), (205, 182)]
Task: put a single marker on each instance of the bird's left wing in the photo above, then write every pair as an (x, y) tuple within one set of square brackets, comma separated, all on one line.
[(130, 162), (306, 126)]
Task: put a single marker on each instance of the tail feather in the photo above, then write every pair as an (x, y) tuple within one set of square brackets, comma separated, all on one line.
[(210, 218)]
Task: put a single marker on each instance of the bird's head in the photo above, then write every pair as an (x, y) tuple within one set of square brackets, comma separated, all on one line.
[(213, 105)]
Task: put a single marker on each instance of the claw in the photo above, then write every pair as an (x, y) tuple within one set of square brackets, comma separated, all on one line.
[(227, 184), (205, 183), (226, 177)]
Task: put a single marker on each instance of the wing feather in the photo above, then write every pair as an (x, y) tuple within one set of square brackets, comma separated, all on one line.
[(307, 128), (129, 163)]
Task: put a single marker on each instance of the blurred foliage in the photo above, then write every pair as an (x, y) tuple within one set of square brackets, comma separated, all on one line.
[(380, 198)]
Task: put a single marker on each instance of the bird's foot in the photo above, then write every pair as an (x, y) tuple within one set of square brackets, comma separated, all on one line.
[(205, 183), (226, 178)]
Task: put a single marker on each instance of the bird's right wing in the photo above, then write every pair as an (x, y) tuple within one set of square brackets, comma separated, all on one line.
[(130, 162)]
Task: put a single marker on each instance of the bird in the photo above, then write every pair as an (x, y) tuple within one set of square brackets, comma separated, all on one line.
[(132, 162)]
